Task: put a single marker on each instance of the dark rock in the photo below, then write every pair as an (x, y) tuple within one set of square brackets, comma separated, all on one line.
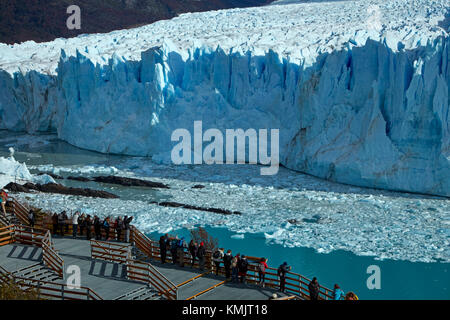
[(54, 176), (191, 207), (15, 187), (83, 179), (130, 182), (60, 189), (198, 186)]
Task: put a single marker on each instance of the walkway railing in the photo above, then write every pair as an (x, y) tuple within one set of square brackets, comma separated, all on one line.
[(19, 211), (145, 272), (54, 290), (109, 251), (296, 284), (28, 235), (6, 235), (5, 276), (50, 256)]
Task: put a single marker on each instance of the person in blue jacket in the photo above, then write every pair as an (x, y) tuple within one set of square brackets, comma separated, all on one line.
[(338, 294)]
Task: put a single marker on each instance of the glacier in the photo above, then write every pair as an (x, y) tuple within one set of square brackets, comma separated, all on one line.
[(354, 105)]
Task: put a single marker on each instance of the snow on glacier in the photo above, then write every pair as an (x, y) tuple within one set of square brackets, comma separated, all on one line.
[(353, 104)]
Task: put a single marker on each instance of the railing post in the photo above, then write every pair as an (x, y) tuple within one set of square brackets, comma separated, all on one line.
[(62, 291), (39, 289), (87, 293)]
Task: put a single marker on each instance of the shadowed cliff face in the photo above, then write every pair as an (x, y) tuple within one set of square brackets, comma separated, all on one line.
[(45, 20)]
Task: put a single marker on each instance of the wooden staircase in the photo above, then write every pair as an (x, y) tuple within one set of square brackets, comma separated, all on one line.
[(37, 272)]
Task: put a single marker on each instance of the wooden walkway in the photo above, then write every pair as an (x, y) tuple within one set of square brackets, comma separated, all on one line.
[(109, 280), (112, 270)]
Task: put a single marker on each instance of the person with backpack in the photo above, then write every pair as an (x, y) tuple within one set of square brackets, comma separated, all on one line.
[(262, 266), (119, 226), (243, 268), (235, 269), (174, 249), (75, 217), (227, 260), (106, 225), (282, 271), (201, 253), (97, 228), (31, 218), (126, 227), (314, 289), (193, 247), (3, 199), (338, 294), (182, 246), (217, 259), (88, 225)]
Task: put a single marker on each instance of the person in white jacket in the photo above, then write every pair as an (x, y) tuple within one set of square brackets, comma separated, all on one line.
[(75, 217)]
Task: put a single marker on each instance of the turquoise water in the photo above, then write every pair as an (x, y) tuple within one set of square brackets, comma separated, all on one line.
[(399, 279)]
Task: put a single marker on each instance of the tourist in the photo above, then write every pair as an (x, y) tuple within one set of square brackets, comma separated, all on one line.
[(338, 294), (174, 249), (126, 227), (243, 268), (163, 249), (75, 217), (262, 266), (180, 251), (61, 223), (31, 218), (97, 228), (201, 252), (66, 225), (106, 225), (81, 223), (217, 259), (282, 271), (235, 269), (88, 225), (193, 247), (118, 225), (314, 289), (227, 259), (351, 296), (55, 223), (3, 199)]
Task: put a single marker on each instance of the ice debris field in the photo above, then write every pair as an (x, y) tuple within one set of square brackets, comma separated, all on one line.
[(294, 210)]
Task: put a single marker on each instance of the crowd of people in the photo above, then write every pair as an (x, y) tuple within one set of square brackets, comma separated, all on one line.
[(83, 224), (235, 267)]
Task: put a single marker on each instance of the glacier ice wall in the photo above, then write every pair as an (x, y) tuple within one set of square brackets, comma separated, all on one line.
[(365, 115)]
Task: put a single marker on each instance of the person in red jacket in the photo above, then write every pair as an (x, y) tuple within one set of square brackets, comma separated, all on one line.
[(262, 266)]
